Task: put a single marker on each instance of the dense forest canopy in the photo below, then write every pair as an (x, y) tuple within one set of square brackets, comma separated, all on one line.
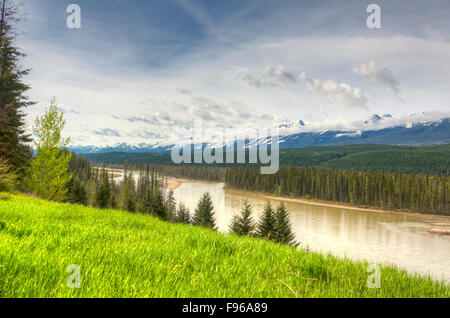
[(405, 159)]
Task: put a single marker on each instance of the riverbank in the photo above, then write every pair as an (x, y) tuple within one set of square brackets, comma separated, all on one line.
[(172, 183), (117, 251), (344, 205)]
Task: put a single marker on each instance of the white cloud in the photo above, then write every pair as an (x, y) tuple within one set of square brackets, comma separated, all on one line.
[(268, 76), (379, 76), (340, 94), (67, 109)]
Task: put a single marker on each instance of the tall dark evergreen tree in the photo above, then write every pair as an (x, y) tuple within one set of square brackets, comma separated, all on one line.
[(171, 206), (13, 139), (204, 213), (267, 222), (77, 192), (103, 194), (283, 231), (243, 223)]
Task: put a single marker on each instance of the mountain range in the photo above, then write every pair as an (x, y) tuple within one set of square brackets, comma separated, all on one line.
[(370, 131)]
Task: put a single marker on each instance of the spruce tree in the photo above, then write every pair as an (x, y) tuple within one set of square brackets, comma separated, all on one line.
[(103, 195), (204, 213), (267, 222), (283, 231), (77, 192), (171, 206), (127, 196), (183, 215), (13, 139), (243, 223), (158, 207), (113, 193)]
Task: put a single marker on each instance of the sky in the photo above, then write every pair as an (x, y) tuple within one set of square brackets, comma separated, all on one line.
[(138, 69)]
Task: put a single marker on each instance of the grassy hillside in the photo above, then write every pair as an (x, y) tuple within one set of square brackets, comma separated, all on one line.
[(132, 255), (389, 158)]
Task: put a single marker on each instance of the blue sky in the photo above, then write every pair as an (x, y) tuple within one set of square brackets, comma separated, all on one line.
[(138, 69)]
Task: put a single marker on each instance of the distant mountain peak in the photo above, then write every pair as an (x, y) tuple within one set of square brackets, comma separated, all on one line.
[(376, 118), (379, 129), (292, 124)]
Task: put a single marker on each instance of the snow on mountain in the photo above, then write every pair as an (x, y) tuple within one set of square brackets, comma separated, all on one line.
[(412, 129)]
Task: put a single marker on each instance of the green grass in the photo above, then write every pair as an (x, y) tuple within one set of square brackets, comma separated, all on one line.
[(131, 255)]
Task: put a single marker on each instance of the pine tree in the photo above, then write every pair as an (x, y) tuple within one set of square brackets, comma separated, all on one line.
[(8, 179), (49, 173), (243, 223), (183, 215), (91, 188), (204, 213), (113, 193), (77, 192), (103, 195), (158, 207), (267, 222), (127, 192), (171, 206), (283, 231), (13, 140)]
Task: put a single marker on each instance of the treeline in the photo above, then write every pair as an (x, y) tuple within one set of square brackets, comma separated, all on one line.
[(387, 158), (96, 187), (412, 192), (415, 192)]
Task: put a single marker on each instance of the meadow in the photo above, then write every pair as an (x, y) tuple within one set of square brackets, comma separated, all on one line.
[(123, 254)]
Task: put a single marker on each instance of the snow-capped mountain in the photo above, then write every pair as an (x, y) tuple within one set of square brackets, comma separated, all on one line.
[(121, 147), (377, 118), (379, 129), (292, 124)]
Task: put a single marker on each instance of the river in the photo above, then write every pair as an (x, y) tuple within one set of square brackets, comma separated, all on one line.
[(401, 239)]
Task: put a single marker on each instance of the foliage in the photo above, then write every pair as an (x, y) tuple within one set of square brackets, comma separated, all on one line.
[(283, 231), (8, 178), (117, 251), (49, 173), (388, 158), (414, 192), (204, 213), (267, 222), (182, 214), (171, 206), (13, 140), (243, 223), (103, 193)]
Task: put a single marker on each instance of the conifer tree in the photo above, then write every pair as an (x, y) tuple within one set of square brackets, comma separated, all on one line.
[(243, 223), (13, 139), (127, 196), (183, 214), (103, 195), (158, 207), (113, 193), (8, 179), (77, 192), (171, 206), (267, 222), (204, 213), (283, 231)]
